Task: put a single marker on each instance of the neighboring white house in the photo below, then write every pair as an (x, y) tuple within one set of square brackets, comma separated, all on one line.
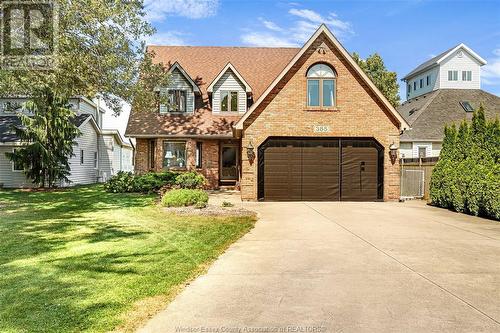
[(98, 153), (443, 90), (456, 68)]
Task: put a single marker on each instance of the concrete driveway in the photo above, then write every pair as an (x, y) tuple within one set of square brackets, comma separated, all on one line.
[(348, 267)]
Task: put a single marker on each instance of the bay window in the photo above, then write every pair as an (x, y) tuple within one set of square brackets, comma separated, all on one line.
[(321, 81)]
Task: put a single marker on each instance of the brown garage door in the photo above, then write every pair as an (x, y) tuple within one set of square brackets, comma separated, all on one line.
[(319, 170)]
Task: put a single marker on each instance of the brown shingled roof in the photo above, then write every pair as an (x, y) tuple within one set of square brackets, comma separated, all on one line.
[(259, 66)]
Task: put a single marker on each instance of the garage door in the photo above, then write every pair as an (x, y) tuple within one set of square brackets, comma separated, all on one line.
[(320, 170)]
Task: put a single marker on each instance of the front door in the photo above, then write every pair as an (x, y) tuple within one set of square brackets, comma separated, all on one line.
[(229, 162)]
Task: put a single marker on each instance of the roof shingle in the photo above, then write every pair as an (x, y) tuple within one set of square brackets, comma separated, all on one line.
[(259, 66), (429, 113)]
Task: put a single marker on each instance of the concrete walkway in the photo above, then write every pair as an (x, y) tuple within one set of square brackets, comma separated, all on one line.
[(348, 267)]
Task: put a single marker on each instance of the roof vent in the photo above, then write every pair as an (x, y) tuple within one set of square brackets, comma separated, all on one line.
[(460, 54), (467, 107), (412, 111)]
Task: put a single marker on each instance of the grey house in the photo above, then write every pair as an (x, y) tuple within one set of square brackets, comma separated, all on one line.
[(98, 153)]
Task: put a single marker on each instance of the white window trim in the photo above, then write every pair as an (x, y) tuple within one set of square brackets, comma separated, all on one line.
[(229, 101)]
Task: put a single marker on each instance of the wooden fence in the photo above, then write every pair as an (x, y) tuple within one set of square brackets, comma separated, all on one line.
[(416, 176)]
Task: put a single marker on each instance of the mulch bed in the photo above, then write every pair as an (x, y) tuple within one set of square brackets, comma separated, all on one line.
[(211, 210)]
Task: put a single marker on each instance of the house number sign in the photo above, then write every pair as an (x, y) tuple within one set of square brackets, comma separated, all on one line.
[(321, 129)]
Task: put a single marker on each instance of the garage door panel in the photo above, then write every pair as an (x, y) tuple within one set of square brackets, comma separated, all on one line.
[(282, 170), (359, 173), (320, 173)]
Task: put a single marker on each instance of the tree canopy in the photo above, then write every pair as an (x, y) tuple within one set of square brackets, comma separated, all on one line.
[(99, 51), (384, 80)]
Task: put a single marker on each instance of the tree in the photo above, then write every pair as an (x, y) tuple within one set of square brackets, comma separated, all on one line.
[(99, 54), (467, 176), (384, 80), (48, 134)]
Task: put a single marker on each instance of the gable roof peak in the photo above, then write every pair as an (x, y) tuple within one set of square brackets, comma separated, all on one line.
[(231, 67), (178, 66), (324, 29), (441, 57)]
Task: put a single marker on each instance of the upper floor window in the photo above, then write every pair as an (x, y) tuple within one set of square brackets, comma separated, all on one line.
[(414, 85), (428, 79), (229, 101), (176, 100), (421, 83), (452, 75), (466, 75), (321, 86)]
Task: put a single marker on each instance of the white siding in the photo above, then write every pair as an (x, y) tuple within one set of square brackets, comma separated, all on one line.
[(84, 173), (105, 157), (436, 148), (433, 85), (405, 150), (229, 82), (127, 156), (464, 63), (9, 178), (113, 157), (179, 81), (417, 145)]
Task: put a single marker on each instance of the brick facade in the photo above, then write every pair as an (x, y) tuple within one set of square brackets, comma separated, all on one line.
[(210, 157), (284, 113)]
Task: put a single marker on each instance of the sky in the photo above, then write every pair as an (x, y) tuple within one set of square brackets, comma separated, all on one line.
[(404, 33)]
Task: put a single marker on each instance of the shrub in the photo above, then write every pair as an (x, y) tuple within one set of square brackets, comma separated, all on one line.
[(190, 180), (227, 204), (152, 182), (467, 175), (184, 197), (147, 183), (120, 183)]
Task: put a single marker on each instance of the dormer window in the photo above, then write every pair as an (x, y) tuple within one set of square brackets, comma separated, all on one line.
[(229, 101), (321, 86), (176, 100)]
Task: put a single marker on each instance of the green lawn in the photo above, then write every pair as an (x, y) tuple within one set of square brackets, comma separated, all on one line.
[(86, 260)]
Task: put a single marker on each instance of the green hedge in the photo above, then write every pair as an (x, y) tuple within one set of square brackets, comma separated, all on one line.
[(467, 176), (150, 182), (185, 197)]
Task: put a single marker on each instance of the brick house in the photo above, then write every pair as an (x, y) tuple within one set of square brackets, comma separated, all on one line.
[(282, 123)]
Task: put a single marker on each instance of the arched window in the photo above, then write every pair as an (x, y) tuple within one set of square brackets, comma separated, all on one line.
[(321, 86)]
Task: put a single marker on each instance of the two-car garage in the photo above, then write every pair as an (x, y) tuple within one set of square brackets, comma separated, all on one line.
[(320, 169)]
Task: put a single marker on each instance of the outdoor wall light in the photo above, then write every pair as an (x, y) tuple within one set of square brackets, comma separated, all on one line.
[(393, 152), (250, 152)]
